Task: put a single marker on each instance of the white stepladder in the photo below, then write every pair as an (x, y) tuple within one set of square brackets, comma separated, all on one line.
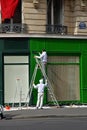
[(39, 65), (31, 85)]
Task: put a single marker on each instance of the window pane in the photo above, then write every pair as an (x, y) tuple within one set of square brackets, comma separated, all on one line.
[(16, 15), (16, 79), (64, 78), (16, 83), (63, 59), (54, 12), (15, 59)]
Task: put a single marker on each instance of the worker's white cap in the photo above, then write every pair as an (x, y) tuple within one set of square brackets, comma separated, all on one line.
[(41, 80)]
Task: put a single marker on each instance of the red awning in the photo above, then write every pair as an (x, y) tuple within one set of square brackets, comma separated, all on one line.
[(8, 8)]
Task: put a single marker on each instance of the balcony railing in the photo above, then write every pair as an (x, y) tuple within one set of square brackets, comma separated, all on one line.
[(8, 28), (22, 28), (56, 29)]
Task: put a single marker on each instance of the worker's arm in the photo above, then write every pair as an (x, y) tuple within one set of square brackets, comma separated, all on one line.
[(37, 57), (40, 55), (45, 83), (35, 86)]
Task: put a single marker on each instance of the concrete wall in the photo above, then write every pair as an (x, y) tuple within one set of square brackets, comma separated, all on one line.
[(75, 12), (35, 18)]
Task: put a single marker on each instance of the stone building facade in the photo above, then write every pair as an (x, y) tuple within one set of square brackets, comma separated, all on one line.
[(71, 14)]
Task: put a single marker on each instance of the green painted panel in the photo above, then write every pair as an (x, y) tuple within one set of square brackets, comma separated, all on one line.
[(83, 44), (56, 45), (84, 77), (53, 46), (84, 96), (10, 45), (84, 71), (63, 47), (1, 44), (1, 72), (16, 44), (37, 44)]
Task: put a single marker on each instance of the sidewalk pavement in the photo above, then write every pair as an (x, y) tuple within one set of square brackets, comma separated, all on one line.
[(31, 112)]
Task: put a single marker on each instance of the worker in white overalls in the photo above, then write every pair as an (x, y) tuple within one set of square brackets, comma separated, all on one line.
[(40, 90), (43, 57)]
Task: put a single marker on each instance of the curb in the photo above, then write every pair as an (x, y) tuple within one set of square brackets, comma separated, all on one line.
[(44, 116), (46, 113)]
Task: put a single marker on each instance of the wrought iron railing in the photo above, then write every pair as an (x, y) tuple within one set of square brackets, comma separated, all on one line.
[(56, 29), (22, 28), (8, 28)]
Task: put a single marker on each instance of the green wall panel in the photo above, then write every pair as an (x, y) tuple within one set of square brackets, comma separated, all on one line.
[(16, 44), (84, 71), (65, 46), (84, 78), (61, 45), (84, 96), (1, 80), (1, 72), (10, 46), (53, 46), (37, 44)]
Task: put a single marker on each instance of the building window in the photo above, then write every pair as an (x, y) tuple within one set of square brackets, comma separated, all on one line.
[(17, 14), (55, 22), (11, 18), (16, 79), (63, 72), (55, 10)]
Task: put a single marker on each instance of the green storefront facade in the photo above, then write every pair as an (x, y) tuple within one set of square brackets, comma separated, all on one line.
[(57, 48)]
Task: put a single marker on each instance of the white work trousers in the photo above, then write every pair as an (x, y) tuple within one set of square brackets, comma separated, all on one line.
[(40, 100)]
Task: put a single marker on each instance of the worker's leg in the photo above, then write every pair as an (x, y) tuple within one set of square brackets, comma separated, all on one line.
[(38, 100), (41, 100), (44, 70)]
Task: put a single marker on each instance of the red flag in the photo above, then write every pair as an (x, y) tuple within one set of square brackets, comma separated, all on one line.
[(8, 8), (0, 6)]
